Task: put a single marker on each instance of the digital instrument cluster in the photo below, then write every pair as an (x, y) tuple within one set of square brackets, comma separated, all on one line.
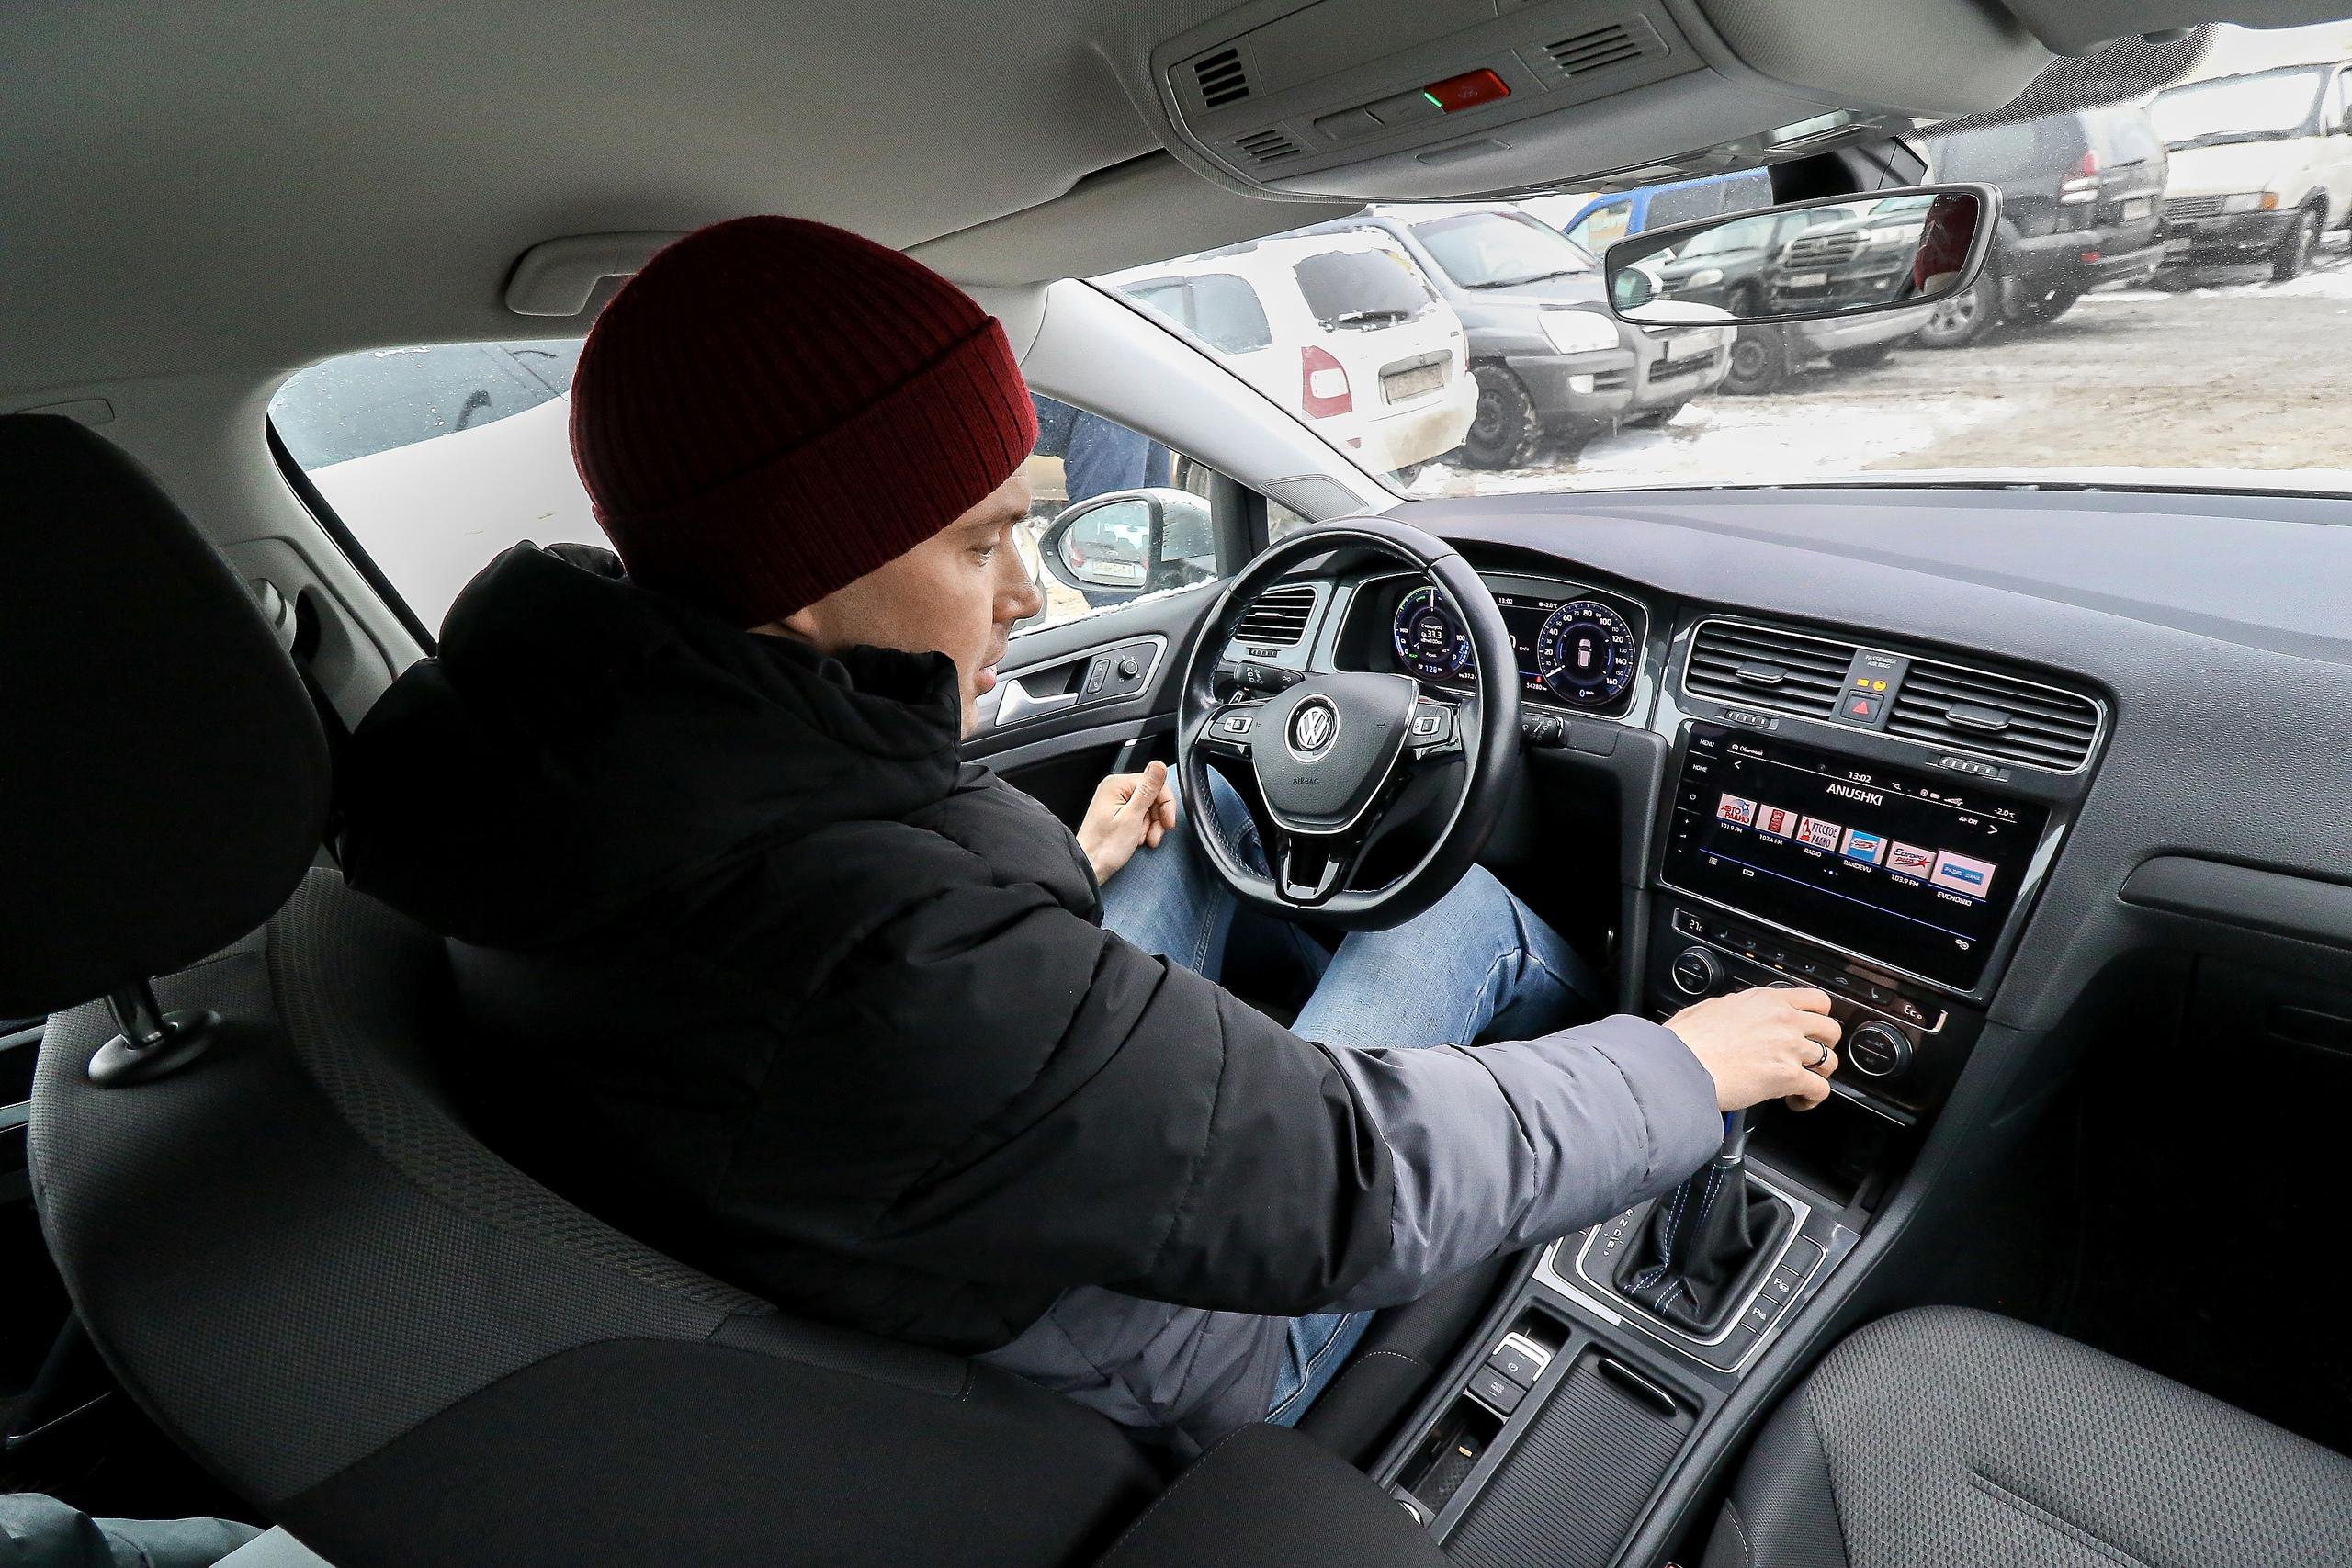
[(1582, 652)]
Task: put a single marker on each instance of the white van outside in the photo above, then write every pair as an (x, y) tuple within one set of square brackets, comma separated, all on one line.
[(2261, 165), (1341, 329)]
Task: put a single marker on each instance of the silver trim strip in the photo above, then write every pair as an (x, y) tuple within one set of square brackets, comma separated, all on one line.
[(1617, 1309), (1036, 707), (1829, 721)]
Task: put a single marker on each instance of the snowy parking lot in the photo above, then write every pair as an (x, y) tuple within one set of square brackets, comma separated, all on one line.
[(2222, 371)]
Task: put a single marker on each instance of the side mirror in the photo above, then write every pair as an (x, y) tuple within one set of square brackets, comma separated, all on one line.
[(1878, 251), (1131, 542)]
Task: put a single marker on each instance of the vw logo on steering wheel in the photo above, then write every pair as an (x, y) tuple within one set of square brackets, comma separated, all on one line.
[(1314, 725)]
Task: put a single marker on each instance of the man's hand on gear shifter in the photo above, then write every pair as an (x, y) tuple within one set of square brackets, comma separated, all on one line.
[(1763, 1043)]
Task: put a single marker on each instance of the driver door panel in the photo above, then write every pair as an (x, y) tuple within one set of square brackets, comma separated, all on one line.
[(1060, 739)]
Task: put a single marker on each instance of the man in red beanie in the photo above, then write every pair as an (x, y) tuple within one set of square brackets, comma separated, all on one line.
[(761, 972)]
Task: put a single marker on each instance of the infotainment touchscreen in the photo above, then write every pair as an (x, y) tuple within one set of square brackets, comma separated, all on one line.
[(1913, 870)]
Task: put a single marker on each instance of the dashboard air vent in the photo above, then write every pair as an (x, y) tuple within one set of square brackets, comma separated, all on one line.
[(1278, 618), (1268, 146), (1761, 667), (1995, 716), (1594, 50), (1223, 79)]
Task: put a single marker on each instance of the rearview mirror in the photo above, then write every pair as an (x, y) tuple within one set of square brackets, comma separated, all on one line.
[(1842, 256), (1113, 548)]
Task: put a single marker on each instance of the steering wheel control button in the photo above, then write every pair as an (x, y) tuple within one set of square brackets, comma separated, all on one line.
[(1233, 724), (1879, 1050), (1696, 972), (1496, 1390)]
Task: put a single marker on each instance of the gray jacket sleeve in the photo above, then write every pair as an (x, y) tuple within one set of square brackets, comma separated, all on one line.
[(1497, 1147)]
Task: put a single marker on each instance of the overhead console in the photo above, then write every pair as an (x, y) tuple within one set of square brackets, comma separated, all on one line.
[(1406, 99)]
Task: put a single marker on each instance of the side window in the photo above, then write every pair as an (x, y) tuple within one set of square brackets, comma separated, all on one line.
[(437, 458), (1228, 316), (1112, 554), (1596, 231), (2341, 111)]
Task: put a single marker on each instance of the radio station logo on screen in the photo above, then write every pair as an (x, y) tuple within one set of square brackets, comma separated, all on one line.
[(1868, 848), (1960, 874), (1776, 820), (1819, 834), (1736, 809), (1910, 859)]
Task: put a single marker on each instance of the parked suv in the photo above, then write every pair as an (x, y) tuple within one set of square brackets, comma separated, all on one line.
[(1553, 366), (2081, 209), (1727, 268), (1343, 328), (1605, 219), (2260, 164)]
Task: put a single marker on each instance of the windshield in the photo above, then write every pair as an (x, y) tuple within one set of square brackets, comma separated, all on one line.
[(1500, 250), (2249, 108), (2149, 317)]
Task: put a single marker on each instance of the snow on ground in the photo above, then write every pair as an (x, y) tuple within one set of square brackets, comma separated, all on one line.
[(1727, 440)]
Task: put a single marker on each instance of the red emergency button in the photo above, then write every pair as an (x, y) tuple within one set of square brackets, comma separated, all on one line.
[(1467, 91)]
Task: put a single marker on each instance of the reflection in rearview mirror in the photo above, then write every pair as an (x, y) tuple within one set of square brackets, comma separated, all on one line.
[(1845, 255)]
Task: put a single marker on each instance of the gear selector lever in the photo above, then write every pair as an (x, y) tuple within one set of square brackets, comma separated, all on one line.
[(1707, 1243)]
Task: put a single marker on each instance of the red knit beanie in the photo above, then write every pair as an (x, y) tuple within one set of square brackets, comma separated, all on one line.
[(773, 408)]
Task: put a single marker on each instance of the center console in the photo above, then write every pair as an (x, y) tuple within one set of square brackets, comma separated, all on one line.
[(1892, 875)]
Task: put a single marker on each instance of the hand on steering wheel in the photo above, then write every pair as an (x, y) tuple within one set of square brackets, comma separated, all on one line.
[(1332, 756)]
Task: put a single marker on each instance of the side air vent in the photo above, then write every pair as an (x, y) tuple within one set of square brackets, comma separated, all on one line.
[(1597, 49), (1268, 146), (1222, 78), (1995, 716), (1761, 667), (1278, 618)]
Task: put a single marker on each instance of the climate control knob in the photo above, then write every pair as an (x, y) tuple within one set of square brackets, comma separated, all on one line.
[(1696, 972), (1879, 1050)]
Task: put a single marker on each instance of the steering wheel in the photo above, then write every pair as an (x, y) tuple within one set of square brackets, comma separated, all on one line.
[(1341, 760)]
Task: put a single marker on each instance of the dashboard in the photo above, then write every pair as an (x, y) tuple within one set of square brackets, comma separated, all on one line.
[(1909, 744)]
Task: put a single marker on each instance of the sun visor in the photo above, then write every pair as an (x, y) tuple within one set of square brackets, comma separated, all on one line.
[(1428, 99)]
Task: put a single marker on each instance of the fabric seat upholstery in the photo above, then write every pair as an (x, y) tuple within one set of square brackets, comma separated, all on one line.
[(1949, 1439)]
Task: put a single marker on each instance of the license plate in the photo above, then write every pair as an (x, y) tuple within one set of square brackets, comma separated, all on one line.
[(2139, 207), (1412, 383), (1808, 280), (1683, 347)]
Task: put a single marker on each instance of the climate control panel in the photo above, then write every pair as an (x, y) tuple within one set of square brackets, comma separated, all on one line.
[(1902, 1045)]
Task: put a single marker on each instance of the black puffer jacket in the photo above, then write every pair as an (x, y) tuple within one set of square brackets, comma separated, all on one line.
[(759, 971), (763, 974)]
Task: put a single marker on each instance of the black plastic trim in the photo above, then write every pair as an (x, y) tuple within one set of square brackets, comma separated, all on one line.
[(347, 542)]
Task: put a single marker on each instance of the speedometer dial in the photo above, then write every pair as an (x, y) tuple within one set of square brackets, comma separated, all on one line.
[(1430, 636), (1585, 653)]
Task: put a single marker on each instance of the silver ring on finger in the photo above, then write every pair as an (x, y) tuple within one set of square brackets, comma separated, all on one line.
[(1818, 1060)]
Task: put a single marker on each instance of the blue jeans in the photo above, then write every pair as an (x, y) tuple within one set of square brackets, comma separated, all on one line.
[(1476, 963)]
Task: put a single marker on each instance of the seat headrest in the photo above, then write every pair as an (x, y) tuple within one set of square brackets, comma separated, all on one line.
[(164, 780)]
